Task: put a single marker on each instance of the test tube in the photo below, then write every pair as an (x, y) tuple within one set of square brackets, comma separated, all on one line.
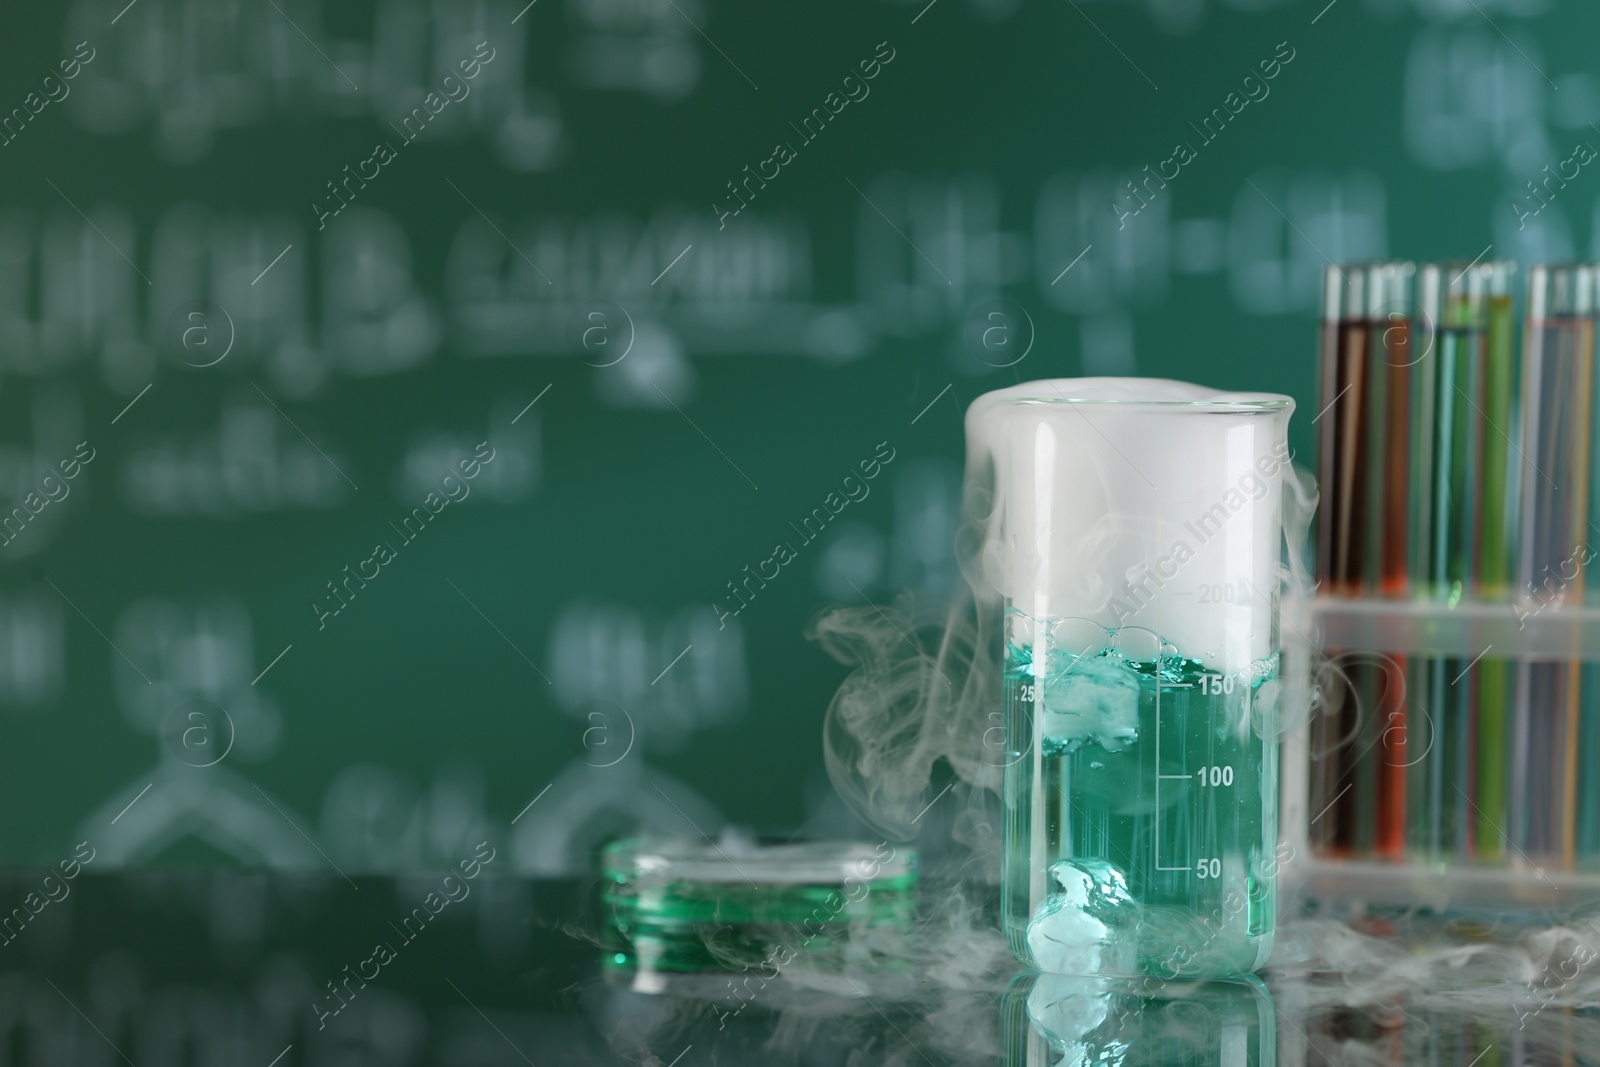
[(1342, 439), (1358, 780), (1557, 404), (1454, 309), (1497, 526), (1381, 770), (1453, 301), (1344, 376), (1390, 315), (1130, 542), (1588, 746)]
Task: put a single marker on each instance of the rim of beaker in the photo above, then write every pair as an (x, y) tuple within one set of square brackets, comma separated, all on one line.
[(1032, 392)]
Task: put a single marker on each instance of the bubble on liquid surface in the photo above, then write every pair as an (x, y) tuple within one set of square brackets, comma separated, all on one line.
[(1140, 644), (1078, 637), (1054, 644), (1095, 699), (1081, 919)]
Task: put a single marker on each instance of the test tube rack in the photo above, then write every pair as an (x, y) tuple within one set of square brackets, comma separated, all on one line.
[(1469, 629), (1451, 758)]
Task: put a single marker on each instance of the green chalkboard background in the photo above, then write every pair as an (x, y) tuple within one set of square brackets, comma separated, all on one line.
[(967, 212)]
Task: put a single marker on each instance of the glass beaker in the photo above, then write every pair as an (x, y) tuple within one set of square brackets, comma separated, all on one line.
[(1131, 535)]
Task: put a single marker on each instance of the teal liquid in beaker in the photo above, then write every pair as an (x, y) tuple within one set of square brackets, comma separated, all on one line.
[(1144, 836)]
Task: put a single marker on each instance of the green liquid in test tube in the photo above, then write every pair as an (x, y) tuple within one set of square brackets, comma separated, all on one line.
[(1494, 568)]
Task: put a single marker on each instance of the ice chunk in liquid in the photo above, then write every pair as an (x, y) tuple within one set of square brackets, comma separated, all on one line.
[(1095, 699), (1077, 930)]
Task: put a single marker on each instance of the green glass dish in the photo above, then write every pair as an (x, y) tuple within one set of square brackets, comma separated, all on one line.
[(694, 907)]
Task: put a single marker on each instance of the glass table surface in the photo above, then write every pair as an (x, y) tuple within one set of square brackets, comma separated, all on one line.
[(263, 970)]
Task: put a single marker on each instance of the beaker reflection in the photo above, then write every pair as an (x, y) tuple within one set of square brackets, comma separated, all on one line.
[(1057, 1020)]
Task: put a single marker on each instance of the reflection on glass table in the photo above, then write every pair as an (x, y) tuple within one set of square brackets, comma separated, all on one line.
[(227, 968), (1050, 1019)]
